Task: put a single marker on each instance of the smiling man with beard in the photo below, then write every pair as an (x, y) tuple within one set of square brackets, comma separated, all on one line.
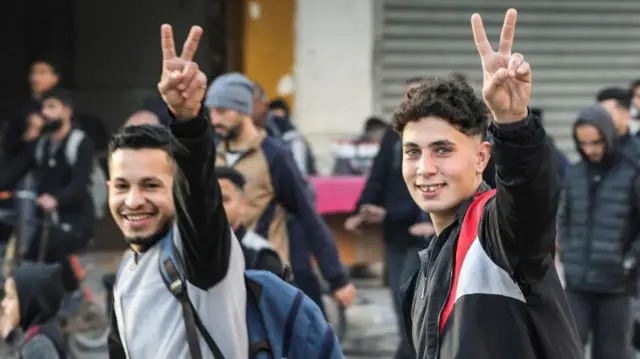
[(163, 185)]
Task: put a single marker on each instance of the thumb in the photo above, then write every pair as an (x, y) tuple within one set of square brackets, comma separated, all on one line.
[(495, 81)]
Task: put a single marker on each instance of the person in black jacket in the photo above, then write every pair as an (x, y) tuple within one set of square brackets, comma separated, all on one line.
[(600, 235), (62, 186), (487, 286), (385, 200)]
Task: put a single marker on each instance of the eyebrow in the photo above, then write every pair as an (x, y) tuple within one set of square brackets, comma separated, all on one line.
[(144, 179), (437, 143)]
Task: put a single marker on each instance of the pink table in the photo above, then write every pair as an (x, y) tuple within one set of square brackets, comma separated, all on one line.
[(337, 194), (336, 198)]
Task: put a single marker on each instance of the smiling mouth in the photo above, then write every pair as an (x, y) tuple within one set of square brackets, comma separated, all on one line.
[(430, 188), (136, 217)]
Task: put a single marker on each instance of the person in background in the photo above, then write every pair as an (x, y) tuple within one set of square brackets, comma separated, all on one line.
[(617, 101), (260, 108), (32, 297), (275, 187), (258, 252), (385, 200), (142, 117), (599, 236), (357, 163), (43, 76), (282, 127), (62, 186)]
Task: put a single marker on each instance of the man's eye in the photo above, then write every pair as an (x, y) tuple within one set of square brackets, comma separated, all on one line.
[(121, 186), (412, 152), (443, 151)]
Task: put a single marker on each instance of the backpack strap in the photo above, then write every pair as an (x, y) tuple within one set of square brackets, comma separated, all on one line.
[(169, 265), (254, 288), (39, 152), (73, 144)]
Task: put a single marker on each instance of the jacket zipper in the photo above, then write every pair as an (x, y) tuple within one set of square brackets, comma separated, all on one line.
[(450, 283), (593, 192)]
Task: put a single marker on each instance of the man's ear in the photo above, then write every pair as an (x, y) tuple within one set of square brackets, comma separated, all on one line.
[(484, 154)]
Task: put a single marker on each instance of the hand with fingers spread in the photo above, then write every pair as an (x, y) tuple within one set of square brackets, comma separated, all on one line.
[(182, 84), (507, 77)]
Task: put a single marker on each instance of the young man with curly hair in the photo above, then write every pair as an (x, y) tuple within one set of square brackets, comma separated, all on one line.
[(487, 286)]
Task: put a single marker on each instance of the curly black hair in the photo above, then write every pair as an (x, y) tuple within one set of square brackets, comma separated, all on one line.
[(452, 100), (622, 96)]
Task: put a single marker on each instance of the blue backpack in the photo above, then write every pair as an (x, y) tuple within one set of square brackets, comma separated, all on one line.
[(282, 322)]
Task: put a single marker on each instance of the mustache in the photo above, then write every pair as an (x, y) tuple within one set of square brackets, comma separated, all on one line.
[(228, 133)]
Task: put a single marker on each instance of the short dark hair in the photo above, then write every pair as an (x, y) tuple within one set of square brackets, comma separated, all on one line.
[(51, 61), (453, 101), (634, 84), (279, 103), (140, 137), (621, 95), (59, 94), (231, 174), (374, 123)]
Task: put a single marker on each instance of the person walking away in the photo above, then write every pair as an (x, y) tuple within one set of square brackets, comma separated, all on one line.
[(487, 286), (258, 252), (600, 236), (617, 101), (32, 297)]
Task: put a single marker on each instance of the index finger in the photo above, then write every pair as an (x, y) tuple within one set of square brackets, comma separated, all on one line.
[(508, 32), (191, 44), (166, 40), (480, 36)]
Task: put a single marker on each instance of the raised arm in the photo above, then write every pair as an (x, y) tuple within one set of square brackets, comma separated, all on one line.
[(202, 222), (521, 220)]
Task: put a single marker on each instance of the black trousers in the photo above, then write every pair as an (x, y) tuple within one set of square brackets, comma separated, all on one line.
[(59, 246), (608, 318)]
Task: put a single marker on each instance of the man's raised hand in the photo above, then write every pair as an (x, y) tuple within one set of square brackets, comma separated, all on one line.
[(182, 84), (507, 77)]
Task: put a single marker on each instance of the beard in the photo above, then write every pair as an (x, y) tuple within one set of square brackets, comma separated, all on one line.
[(230, 133), (51, 126), (147, 242)]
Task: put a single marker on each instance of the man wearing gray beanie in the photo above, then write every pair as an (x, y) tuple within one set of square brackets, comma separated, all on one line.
[(275, 187)]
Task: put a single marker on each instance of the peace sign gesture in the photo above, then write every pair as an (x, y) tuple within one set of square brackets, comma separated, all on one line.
[(507, 77), (182, 84)]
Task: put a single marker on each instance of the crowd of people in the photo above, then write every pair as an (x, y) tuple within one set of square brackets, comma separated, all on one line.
[(210, 192)]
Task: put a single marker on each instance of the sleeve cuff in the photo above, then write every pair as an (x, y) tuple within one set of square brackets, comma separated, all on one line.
[(191, 128), (338, 281), (519, 132)]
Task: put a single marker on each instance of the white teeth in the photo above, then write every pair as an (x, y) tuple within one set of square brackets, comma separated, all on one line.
[(138, 217), (432, 188)]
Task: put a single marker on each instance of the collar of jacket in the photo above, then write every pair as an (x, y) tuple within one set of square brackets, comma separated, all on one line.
[(460, 212), (252, 145)]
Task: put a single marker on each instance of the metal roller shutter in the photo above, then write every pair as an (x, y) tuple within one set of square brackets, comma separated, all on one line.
[(574, 48)]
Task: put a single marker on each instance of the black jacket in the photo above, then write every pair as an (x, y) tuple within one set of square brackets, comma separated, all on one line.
[(507, 300), (385, 187), (598, 220), (69, 184)]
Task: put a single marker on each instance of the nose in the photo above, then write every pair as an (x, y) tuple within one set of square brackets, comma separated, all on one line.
[(427, 164), (134, 198)]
